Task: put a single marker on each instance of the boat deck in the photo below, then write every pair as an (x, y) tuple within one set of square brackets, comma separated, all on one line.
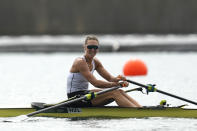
[(105, 112)]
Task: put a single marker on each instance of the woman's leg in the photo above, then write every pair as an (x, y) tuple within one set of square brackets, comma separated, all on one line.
[(130, 99), (120, 99), (105, 102)]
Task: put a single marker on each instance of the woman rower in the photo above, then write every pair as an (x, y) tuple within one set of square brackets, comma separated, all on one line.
[(81, 73)]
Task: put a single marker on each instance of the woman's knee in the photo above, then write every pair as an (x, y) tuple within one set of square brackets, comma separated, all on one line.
[(121, 91), (116, 92), (95, 90)]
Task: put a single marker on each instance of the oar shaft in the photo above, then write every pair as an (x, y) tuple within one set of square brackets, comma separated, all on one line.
[(55, 106), (175, 96), (136, 83), (135, 89), (107, 90), (71, 101), (162, 92)]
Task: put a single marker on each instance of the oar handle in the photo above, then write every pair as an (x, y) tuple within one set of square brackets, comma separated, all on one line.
[(163, 92)]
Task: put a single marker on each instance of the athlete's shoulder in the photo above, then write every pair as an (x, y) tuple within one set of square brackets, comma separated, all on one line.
[(96, 59), (79, 60), (97, 62)]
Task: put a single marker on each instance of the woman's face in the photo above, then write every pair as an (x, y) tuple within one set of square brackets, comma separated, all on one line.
[(91, 48)]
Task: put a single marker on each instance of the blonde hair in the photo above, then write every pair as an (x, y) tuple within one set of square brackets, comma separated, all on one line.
[(91, 37)]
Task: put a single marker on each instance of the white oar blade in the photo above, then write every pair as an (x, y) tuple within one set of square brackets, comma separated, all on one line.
[(17, 119)]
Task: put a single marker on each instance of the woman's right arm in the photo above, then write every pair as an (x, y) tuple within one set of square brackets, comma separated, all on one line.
[(82, 67)]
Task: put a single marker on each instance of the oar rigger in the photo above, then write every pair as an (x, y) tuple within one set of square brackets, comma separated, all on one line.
[(90, 96), (151, 88)]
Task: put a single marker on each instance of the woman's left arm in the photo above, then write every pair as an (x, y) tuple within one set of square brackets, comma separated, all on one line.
[(105, 74)]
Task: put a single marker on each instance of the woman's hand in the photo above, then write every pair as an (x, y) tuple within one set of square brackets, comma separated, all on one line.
[(124, 84), (120, 78)]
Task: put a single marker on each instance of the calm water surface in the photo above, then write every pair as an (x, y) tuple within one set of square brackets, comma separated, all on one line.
[(42, 77)]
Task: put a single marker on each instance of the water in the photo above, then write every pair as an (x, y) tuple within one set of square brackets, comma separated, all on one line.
[(150, 124), (42, 77)]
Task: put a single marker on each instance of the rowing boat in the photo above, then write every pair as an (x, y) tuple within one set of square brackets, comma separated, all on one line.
[(62, 110), (105, 112)]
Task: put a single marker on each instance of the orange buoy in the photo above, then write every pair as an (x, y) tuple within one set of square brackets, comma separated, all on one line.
[(135, 68)]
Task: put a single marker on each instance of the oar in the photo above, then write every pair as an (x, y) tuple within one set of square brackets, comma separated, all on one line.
[(135, 89), (72, 101), (149, 87), (130, 90), (85, 97)]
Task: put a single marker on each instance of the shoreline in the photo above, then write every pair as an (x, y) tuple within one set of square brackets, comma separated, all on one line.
[(108, 43)]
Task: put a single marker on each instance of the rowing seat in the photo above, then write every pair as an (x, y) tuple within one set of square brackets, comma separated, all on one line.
[(38, 105)]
